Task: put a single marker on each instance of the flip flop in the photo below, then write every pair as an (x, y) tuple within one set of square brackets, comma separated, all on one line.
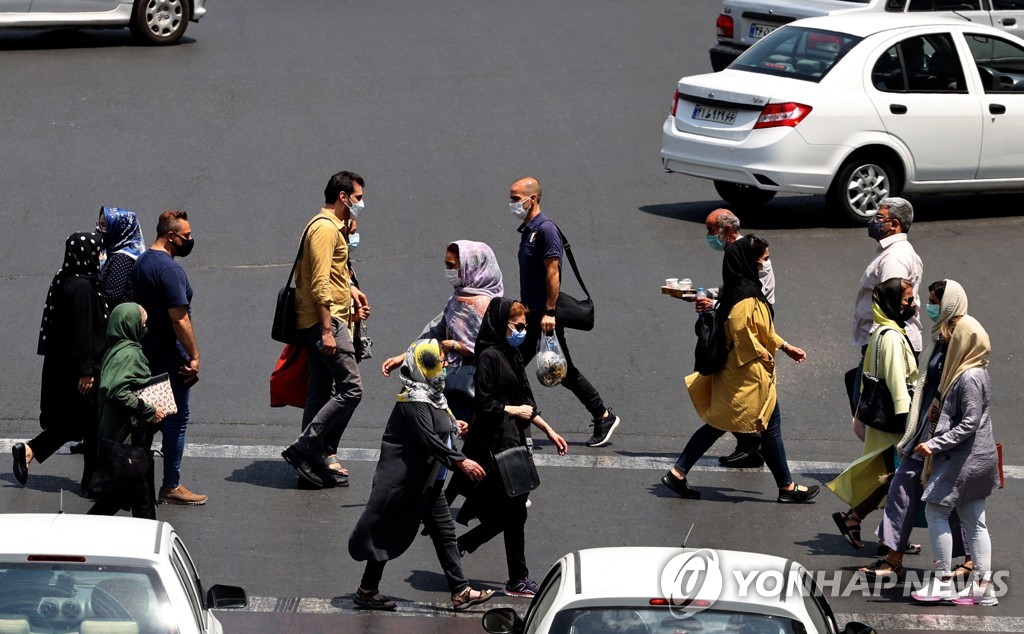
[(850, 533), (20, 468), (333, 460)]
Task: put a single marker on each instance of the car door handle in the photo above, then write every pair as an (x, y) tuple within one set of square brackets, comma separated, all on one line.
[(997, 108), (897, 108), (1009, 21)]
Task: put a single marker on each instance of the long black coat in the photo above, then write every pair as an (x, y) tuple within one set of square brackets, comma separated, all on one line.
[(412, 451)]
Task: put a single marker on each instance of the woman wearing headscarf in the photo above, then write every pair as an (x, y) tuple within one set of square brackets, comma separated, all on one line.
[(124, 416), (890, 359), (505, 408), (947, 305), (415, 456), (742, 397), (473, 270), (123, 243), (960, 466), (71, 341)]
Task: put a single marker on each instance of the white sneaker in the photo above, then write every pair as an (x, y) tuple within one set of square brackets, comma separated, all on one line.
[(977, 594), (939, 588)]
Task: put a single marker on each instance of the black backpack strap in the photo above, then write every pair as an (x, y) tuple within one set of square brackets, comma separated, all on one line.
[(298, 255), (572, 260)]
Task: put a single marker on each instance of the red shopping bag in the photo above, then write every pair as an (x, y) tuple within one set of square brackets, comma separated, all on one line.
[(290, 378)]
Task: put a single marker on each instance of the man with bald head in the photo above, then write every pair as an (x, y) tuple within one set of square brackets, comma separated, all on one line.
[(540, 280)]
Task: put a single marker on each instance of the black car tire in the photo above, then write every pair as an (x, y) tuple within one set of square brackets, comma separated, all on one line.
[(160, 22), (861, 183), (743, 196)]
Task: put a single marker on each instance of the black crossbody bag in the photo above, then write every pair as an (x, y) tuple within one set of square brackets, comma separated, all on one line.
[(284, 329), (517, 469), (577, 314)]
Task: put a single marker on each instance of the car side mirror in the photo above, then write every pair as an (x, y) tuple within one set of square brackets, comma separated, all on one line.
[(220, 597), (502, 621), (853, 627)]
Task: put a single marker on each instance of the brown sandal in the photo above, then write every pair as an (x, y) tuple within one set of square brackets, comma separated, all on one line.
[(330, 461), (883, 569), (470, 597), (373, 600)]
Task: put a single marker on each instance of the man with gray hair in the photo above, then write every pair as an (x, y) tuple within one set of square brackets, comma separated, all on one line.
[(895, 257)]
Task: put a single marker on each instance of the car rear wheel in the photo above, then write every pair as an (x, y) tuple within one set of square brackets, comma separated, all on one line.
[(860, 185), (743, 196), (160, 22)]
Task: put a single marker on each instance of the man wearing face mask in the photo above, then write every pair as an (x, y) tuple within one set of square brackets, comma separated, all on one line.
[(723, 228), (540, 277), (894, 257), (326, 302), (162, 289)]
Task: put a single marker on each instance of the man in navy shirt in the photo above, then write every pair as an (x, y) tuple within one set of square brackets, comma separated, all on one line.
[(540, 280), (162, 288)]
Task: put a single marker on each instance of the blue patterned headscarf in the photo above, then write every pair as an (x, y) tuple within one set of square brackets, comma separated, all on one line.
[(123, 234)]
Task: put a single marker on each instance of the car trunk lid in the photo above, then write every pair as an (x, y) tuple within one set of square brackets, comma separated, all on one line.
[(753, 19)]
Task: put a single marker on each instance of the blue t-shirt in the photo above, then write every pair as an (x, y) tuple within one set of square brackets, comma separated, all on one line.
[(161, 284), (539, 241)]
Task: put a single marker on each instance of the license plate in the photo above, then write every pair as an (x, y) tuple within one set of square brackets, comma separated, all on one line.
[(718, 115), (757, 31)]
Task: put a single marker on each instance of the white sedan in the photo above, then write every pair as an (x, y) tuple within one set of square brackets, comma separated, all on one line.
[(88, 574), (632, 590), (155, 22), (856, 107)]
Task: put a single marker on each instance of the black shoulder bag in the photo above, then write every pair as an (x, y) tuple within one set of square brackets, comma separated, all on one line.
[(518, 471), (121, 468), (284, 328), (571, 312), (876, 408), (711, 351)]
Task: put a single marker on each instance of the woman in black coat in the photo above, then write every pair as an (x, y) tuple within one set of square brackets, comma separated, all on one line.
[(504, 410), (72, 339), (415, 456)]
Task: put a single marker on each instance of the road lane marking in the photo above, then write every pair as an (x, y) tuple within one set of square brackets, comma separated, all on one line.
[(929, 621), (542, 458)]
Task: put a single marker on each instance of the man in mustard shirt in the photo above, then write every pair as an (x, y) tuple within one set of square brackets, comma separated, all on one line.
[(325, 303)]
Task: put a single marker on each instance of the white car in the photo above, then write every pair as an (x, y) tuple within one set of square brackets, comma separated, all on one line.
[(89, 574), (743, 22), (856, 107), (632, 590), (151, 21)]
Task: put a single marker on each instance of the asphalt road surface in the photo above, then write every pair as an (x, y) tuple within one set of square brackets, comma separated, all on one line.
[(440, 106)]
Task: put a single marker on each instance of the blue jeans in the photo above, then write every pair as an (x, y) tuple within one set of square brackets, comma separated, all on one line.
[(173, 427), (772, 448)]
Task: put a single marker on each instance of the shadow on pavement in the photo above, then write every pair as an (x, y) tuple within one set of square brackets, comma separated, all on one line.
[(272, 474), (59, 39), (46, 483)]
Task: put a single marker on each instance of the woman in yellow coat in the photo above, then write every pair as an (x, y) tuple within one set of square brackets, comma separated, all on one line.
[(741, 397)]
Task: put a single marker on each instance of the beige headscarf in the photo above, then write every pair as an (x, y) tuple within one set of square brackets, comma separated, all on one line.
[(968, 348), (952, 307)]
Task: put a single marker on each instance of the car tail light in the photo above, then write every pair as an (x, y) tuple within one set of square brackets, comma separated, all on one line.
[(777, 115), (675, 102), (63, 558), (724, 26), (696, 603)]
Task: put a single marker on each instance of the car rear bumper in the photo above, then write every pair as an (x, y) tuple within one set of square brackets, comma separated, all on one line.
[(198, 9), (776, 159), (723, 54)]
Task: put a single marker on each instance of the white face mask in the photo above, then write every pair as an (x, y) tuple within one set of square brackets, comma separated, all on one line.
[(453, 276), (518, 211), (355, 208), (765, 270), (353, 240)]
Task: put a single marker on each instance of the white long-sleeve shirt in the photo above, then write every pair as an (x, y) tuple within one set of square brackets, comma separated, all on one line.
[(895, 257)]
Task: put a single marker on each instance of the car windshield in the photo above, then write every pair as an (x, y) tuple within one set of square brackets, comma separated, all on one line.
[(659, 620), (83, 599), (797, 52)]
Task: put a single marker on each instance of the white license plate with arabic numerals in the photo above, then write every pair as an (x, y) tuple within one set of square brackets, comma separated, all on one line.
[(715, 114), (757, 31)]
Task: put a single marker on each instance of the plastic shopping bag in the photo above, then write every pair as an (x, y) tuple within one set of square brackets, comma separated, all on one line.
[(551, 364)]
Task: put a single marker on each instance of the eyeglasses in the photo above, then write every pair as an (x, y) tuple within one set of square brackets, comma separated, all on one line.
[(518, 327)]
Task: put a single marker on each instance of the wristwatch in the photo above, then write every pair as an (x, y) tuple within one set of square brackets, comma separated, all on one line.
[(550, 312)]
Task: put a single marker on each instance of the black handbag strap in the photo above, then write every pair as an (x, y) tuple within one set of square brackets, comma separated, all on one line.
[(878, 348), (572, 260), (298, 255)]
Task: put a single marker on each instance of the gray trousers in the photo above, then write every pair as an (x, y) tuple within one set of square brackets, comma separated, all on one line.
[(334, 391)]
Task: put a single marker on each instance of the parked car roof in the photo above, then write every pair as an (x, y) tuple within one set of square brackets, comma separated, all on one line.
[(80, 535)]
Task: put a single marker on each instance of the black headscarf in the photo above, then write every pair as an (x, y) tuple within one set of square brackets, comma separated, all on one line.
[(492, 333), (81, 259), (889, 297), (739, 276)]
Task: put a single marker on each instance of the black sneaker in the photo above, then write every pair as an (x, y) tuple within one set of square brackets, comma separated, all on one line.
[(603, 430), (743, 459), (523, 588)]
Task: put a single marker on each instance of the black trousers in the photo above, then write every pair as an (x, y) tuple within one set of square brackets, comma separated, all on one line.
[(574, 380), (499, 514), (76, 419)]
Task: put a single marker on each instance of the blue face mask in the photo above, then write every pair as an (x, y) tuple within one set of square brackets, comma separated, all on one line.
[(716, 243), (933, 312), (876, 229), (353, 240), (517, 338)]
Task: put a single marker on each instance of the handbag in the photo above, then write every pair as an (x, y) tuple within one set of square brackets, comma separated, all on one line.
[(999, 457), (517, 469), (461, 381), (361, 342), (876, 408), (577, 314), (284, 328), (290, 378), (120, 468), (158, 393)]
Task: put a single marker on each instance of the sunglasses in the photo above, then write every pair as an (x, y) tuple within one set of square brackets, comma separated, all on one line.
[(517, 327)]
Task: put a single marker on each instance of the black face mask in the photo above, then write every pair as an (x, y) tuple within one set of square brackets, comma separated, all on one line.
[(182, 250), (908, 312)]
